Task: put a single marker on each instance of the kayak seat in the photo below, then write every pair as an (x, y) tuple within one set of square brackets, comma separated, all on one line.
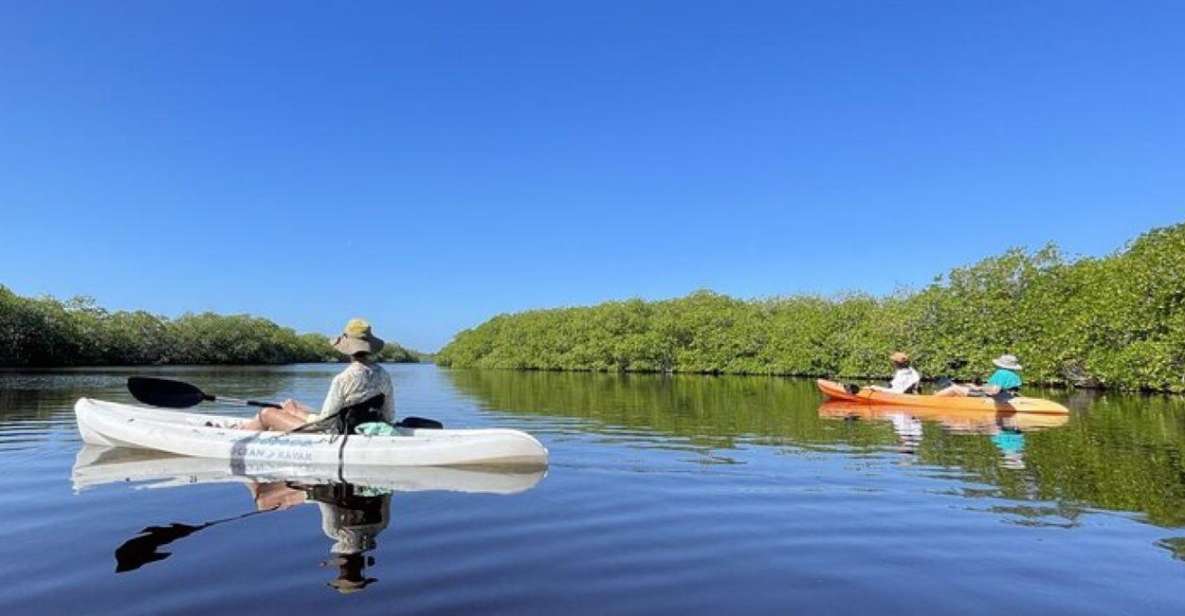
[(350, 417)]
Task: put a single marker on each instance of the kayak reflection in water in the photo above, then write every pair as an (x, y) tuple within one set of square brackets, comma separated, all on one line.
[(351, 517), (363, 382), (1006, 429)]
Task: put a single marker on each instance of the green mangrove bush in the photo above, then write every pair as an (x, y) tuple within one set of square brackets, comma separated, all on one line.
[(49, 332), (1111, 322)]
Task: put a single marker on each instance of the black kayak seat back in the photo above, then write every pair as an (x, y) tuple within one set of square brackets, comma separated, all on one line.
[(354, 415)]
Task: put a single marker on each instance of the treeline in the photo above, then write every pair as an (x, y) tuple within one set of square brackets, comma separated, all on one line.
[(48, 332), (1112, 322)]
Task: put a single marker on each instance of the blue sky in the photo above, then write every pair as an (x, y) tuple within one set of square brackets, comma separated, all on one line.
[(428, 165)]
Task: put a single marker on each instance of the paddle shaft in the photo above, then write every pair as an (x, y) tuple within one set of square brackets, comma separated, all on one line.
[(241, 401)]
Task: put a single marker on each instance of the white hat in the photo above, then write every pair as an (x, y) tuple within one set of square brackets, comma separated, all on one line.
[(1007, 362)]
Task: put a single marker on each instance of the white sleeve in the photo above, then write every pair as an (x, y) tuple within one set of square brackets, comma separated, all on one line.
[(903, 380), (389, 400), (912, 378), (333, 399)]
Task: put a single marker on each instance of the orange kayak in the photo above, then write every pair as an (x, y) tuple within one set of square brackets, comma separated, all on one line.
[(836, 391), (964, 422)]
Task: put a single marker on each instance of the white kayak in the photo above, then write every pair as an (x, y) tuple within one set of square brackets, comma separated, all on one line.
[(96, 465), (111, 424)]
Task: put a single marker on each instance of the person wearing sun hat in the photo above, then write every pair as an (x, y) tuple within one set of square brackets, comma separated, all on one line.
[(905, 378), (1004, 381), (362, 380)]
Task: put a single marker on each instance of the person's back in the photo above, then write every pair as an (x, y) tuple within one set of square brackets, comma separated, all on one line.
[(1007, 380), (359, 382), (905, 380)]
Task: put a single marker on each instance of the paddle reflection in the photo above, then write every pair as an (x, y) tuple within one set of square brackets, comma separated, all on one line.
[(1007, 429), (355, 502)]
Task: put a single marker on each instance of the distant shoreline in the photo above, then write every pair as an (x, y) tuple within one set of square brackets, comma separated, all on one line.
[(49, 333), (1116, 322)]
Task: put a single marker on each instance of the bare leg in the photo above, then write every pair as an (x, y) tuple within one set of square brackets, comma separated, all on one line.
[(280, 419), (276, 495), (952, 391)]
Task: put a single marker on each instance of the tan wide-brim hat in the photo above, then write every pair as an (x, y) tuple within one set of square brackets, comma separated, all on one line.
[(1007, 362), (899, 358), (357, 338)]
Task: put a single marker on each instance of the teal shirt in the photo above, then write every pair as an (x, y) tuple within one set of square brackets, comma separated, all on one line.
[(1005, 379)]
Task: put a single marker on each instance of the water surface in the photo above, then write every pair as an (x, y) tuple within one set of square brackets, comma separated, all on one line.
[(689, 493)]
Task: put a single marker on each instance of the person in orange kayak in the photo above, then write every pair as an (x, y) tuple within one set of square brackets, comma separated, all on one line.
[(1004, 381), (360, 393), (905, 378)]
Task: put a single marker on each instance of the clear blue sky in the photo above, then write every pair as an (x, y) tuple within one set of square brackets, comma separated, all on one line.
[(428, 165)]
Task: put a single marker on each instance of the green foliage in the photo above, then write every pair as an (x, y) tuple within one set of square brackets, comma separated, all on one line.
[(394, 353), (1127, 453), (1114, 322), (47, 332)]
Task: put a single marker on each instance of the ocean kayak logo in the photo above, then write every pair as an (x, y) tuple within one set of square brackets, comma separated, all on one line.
[(274, 450)]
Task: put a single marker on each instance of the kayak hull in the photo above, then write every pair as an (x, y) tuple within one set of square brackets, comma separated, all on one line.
[(111, 424), (836, 391), (96, 465), (958, 421)]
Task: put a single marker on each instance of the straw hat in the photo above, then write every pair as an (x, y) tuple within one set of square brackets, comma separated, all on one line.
[(1007, 362), (357, 338), (899, 358)]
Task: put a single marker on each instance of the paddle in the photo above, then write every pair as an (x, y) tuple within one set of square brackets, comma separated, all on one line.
[(145, 547), (172, 394), (178, 394)]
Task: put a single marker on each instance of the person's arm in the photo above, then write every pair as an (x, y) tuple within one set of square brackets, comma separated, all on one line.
[(333, 399), (389, 407), (915, 381), (389, 401)]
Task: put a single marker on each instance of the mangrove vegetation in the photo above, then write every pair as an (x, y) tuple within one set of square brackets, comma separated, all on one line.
[(44, 332), (1111, 322)]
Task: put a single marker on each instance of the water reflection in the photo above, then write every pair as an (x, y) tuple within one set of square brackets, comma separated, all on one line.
[(1005, 429), (354, 502), (1115, 451), (351, 517)]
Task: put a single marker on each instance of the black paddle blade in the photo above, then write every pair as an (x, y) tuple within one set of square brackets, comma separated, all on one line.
[(145, 548), (165, 392), (419, 423)]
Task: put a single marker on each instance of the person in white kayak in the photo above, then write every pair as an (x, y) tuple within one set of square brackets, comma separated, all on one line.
[(361, 393), (905, 378)]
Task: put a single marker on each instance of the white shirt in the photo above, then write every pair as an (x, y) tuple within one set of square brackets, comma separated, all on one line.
[(903, 379), (348, 537), (357, 383)]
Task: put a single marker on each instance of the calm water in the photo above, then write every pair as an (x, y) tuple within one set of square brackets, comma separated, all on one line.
[(691, 494)]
